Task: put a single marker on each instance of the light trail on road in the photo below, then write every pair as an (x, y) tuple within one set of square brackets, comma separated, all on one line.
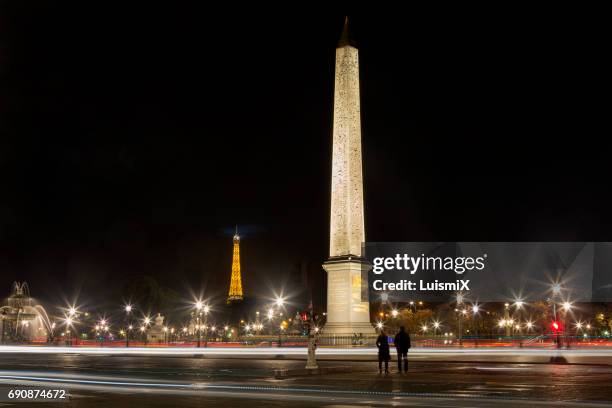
[(294, 351)]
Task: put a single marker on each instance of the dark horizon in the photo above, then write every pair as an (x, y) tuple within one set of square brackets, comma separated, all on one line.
[(134, 142)]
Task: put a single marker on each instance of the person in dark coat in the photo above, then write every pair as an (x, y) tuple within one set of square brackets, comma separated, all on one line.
[(382, 342), (402, 344)]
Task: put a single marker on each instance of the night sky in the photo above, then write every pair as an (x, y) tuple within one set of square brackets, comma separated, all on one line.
[(134, 140)]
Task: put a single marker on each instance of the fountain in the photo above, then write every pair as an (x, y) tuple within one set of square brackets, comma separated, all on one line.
[(21, 319)]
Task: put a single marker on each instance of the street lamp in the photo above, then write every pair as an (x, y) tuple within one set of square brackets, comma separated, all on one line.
[(146, 322), (461, 313), (279, 301), (475, 310), (206, 309), (199, 306), (69, 321), (128, 310), (566, 306), (100, 330)]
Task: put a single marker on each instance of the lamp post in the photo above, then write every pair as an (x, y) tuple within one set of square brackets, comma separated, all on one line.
[(101, 328), (69, 322), (460, 310), (394, 315), (566, 306), (206, 311), (507, 319), (198, 306), (128, 310), (461, 317), (556, 292), (475, 310), (143, 329)]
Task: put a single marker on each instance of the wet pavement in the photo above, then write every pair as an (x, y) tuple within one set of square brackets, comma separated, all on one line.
[(185, 381)]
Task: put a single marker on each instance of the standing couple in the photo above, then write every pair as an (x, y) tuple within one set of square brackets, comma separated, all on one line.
[(402, 344)]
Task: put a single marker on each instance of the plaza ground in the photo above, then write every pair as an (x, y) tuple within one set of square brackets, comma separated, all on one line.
[(472, 378)]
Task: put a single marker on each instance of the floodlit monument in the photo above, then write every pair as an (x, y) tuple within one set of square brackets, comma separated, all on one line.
[(156, 333), (348, 308), (235, 290)]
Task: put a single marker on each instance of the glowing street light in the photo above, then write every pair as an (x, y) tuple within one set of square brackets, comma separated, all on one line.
[(199, 305), (475, 310), (566, 306), (128, 309), (279, 301), (394, 313), (68, 321)]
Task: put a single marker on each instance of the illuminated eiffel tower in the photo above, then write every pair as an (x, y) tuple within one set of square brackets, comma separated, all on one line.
[(235, 289)]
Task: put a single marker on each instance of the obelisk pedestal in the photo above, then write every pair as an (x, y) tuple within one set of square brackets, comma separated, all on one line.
[(348, 308)]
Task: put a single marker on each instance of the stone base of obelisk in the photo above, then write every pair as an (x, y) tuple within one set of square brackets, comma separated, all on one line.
[(348, 308)]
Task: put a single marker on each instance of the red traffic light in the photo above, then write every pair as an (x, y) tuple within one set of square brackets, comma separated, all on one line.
[(555, 326), (304, 316)]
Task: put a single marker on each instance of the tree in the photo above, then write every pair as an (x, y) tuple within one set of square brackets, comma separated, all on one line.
[(150, 295)]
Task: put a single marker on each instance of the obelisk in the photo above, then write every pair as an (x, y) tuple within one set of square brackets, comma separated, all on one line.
[(348, 308)]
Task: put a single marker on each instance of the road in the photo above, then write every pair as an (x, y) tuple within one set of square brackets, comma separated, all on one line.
[(156, 381)]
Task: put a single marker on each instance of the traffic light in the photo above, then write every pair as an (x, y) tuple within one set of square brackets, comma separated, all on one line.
[(304, 316), (555, 326)]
